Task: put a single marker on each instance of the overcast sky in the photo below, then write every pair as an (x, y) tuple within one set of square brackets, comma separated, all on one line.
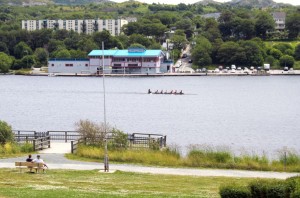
[(293, 2)]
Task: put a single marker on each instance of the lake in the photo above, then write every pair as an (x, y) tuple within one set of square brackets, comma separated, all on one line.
[(252, 114)]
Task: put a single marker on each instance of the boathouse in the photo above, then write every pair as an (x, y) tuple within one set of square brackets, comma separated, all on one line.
[(130, 61)]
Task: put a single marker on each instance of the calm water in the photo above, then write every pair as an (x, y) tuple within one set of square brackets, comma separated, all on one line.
[(252, 114)]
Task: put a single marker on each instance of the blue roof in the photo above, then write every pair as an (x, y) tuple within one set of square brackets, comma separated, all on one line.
[(125, 53)]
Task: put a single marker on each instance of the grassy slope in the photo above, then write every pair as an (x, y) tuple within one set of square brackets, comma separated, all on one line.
[(65, 183)]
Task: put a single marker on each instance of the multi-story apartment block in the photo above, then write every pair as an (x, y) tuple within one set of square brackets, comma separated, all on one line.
[(86, 26), (279, 18)]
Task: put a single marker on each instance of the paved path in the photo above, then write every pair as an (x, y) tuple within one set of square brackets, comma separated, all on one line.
[(58, 161)]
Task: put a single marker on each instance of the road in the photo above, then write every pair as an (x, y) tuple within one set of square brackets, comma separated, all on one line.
[(185, 67)]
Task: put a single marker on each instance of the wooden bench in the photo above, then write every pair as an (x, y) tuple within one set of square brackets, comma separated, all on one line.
[(30, 165)]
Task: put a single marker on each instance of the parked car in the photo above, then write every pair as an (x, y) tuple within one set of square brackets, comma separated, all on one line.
[(285, 69), (204, 69), (184, 55)]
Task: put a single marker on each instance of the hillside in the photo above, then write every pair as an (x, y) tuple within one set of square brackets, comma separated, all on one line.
[(253, 3), (43, 2), (206, 2)]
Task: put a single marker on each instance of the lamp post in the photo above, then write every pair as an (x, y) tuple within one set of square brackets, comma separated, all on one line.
[(106, 163)]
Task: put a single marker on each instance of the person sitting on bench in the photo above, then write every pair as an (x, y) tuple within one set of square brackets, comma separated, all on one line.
[(39, 160)]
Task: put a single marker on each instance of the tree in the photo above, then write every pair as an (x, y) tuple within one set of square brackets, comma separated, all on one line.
[(202, 51), (6, 134), (178, 41), (3, 48), (28, 61), (283, 47), (62, 53), (286, 61), (253, 54), (5, 62), (41, 56), (264, 23), (228, 53), (297, 52), (22, 49), (87, 45), (293, 25), (275, 53)]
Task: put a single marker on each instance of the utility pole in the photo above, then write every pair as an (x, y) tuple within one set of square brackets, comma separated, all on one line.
[(106, 163)]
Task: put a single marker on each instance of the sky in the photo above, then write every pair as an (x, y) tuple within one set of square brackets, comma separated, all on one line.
[(293, 2)]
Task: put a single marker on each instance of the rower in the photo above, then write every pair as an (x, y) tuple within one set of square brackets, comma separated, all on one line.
[(149, 91)]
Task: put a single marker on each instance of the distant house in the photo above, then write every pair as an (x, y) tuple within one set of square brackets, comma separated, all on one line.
[(279, 18), (131, 61)]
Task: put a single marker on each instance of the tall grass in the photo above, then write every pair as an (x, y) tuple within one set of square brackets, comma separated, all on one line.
[(197, 156), (10, 148)]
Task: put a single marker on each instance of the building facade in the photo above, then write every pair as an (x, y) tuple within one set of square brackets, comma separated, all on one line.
[(86, 26), (279, 18), (131, 61)]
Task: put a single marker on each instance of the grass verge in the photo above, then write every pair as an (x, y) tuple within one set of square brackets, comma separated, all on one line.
[(68, 183), (204, 157)]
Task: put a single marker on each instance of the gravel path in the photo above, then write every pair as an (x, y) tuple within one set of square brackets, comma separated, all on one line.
[(58, 161)]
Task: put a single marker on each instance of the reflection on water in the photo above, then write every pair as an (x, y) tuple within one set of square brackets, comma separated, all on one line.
[(244, 113)]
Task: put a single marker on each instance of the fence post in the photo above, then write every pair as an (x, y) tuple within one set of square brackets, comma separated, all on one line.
[(165, 141), (18, 136), (72, 146), (49, 141), (149, 140), (65, 136), (42, 143), (33, 142)]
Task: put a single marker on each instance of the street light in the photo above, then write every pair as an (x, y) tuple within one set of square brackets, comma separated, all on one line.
[(106, 163)]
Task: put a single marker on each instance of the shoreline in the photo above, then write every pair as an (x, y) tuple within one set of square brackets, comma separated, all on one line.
[(262, 73)]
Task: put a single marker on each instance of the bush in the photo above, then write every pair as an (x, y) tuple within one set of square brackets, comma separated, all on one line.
[(277, 190), (258, 188), (93, 133), (234, 191), (120, 139), (26, 148), (6, 134), (296, 194), (272, 189)]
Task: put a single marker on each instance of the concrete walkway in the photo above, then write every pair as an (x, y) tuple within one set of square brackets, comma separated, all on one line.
[(58, 161)]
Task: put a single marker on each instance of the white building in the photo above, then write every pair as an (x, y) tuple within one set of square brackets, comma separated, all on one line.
[(131, 61), (279, 18), (87, 26)]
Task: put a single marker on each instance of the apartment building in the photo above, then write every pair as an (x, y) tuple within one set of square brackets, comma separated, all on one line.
[(87, 26)]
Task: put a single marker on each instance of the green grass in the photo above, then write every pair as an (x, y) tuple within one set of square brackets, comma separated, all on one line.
[(68, 183), (197, 157)]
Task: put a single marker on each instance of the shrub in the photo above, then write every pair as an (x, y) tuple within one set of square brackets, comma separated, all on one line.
[(120, 139), (277, 190), (271, 189), (234, 191), (93, 133), (6, 134), (26, 148), (258, 188), (296, 194)]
